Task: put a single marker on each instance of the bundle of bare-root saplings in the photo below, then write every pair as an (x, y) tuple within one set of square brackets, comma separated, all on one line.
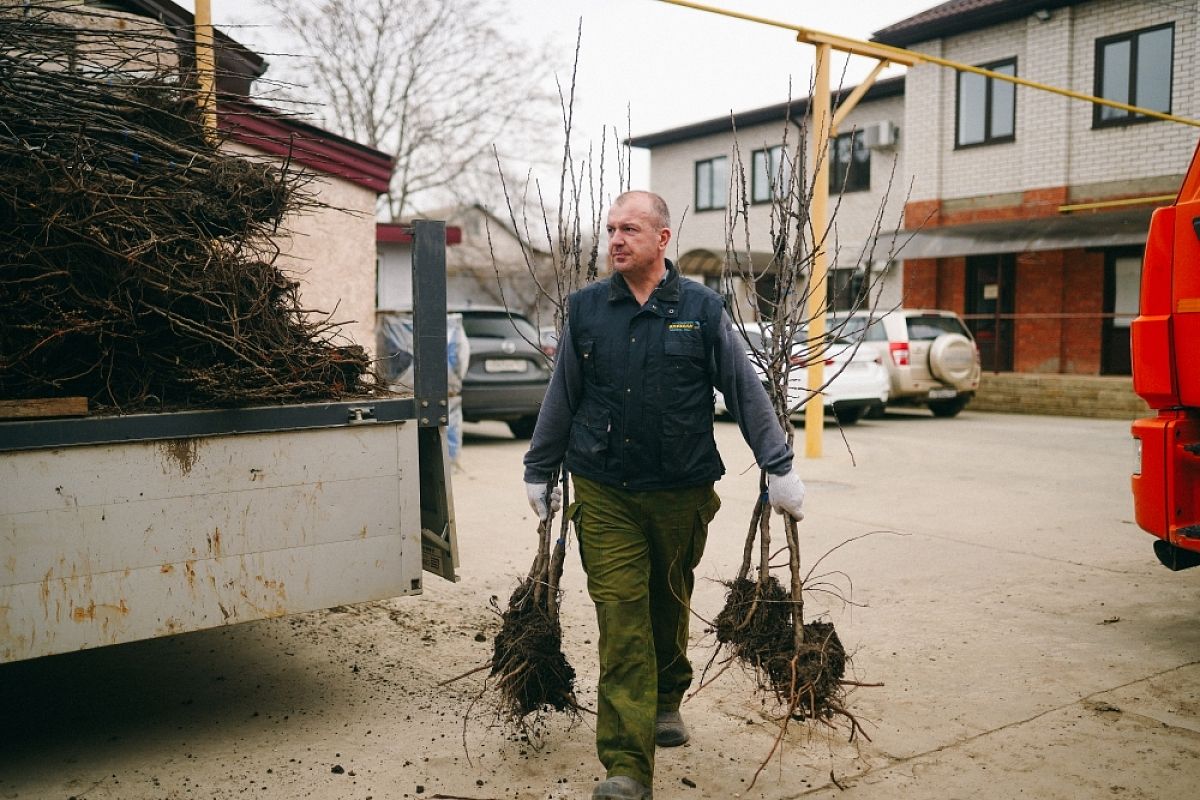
[(136, 259)]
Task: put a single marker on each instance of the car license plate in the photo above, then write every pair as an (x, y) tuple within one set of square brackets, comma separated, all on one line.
[(505, 365), (942, 394)]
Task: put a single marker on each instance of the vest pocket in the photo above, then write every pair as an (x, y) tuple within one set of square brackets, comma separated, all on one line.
[(589, 439), (688, 448), (589, 359), (685, 362)]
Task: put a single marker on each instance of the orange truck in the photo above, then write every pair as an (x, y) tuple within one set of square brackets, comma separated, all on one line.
[(1166, 374)]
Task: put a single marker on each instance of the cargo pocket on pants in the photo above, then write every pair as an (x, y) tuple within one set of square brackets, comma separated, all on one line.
[(704, 515), (574, 513)]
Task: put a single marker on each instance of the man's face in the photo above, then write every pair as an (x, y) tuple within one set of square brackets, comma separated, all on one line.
[(635, 243)]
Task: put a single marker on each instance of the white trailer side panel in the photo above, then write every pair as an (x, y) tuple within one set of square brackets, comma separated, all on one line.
[(102, 544)]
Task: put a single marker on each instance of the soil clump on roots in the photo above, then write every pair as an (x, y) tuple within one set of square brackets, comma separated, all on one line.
[(528, 664), (756, 625)]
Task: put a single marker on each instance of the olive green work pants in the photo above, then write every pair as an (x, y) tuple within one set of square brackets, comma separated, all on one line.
[(639, 551)]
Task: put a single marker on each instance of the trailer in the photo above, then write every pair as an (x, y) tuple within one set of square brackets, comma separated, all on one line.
[(128, 527)]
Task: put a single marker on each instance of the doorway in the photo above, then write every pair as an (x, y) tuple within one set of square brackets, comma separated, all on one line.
[(1122, 285), (990, 303)]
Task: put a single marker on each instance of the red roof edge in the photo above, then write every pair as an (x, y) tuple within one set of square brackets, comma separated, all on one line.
[(276, 134), (400, 233)]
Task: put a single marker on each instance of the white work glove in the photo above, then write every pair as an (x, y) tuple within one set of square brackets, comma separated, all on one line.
[(786, 494), (536, 492)]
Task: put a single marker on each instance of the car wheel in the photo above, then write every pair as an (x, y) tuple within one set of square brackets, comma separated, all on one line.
[(523, 428), (952, 360), (849, 416), (877, 411), (947, 408)]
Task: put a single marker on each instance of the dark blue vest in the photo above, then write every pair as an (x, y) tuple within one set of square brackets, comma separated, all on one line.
[(646, 417)]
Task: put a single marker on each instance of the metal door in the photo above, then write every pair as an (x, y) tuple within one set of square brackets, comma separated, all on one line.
[(990, 303)]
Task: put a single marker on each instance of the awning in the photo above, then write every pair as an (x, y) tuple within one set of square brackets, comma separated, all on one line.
[(704, 261), (1063, 232)]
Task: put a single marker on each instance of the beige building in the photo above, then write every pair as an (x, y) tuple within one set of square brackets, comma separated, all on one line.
[(329, 249), (709, 171)]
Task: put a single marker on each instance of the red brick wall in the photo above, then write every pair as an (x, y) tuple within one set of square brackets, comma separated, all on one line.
[(952, 284), (922, 213), (1053, 283), (1085, 295), (935, 283), (920, 282), (1037, 340)]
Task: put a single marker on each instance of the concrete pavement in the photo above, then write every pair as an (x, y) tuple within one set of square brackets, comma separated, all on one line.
[(1028, 642)]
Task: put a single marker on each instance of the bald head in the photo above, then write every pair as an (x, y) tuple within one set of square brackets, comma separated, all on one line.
[(652, 204)]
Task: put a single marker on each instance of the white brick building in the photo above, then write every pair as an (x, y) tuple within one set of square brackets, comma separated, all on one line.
[(995, 169), (705, 169)]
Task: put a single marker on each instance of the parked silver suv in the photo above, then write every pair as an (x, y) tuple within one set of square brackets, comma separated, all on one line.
[(931, 357)]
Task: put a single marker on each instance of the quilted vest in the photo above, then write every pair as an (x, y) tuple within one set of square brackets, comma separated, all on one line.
[(646, 416)]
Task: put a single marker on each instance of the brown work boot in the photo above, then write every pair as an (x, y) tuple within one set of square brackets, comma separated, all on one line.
[(621, 787), (669, 730)]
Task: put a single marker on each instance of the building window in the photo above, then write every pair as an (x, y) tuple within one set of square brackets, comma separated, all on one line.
[(712, 180), (846, 289), (1134, 68), (849, 163), (766, 180), (987, 107)]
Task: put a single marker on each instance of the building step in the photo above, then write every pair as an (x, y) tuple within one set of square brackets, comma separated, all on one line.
[(1098, 396)]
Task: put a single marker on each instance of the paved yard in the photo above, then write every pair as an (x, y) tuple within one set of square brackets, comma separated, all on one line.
[(1028, 643)]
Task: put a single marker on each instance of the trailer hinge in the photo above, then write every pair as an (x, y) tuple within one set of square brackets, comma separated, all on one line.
[(356, 415), (432, 413)]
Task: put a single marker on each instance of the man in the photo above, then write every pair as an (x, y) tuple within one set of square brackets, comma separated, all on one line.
[(630, 405)]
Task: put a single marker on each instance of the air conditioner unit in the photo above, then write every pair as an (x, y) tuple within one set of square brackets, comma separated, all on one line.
[(879, 135)]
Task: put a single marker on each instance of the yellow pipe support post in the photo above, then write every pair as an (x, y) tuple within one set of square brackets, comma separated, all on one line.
[(851, 100), (206, 68), (814, 411)]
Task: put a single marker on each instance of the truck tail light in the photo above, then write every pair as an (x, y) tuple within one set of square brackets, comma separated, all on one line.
[(899, 351)]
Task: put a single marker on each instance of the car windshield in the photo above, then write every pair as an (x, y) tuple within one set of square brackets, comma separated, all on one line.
[(499, 326), (928, 327)]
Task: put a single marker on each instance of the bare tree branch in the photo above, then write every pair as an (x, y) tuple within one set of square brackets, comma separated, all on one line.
[(433, 83)]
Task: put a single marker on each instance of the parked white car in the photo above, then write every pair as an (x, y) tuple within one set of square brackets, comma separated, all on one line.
[(856, 380)]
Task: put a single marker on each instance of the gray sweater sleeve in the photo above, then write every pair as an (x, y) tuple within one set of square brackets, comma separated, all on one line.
[(553, 429), (748, 402)]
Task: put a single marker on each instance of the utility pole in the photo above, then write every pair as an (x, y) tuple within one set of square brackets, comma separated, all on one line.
[(206, 68)]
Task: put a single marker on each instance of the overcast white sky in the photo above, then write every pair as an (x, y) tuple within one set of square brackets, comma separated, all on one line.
[(666, 64)]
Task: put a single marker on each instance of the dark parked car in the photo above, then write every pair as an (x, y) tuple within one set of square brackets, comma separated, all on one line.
[(507, 373)]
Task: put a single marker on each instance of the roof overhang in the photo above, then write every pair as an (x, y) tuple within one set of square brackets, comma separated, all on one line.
[(401, 233), (1064, 232), (237, 65), (271, 132), (961, 16), (795, 110)]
